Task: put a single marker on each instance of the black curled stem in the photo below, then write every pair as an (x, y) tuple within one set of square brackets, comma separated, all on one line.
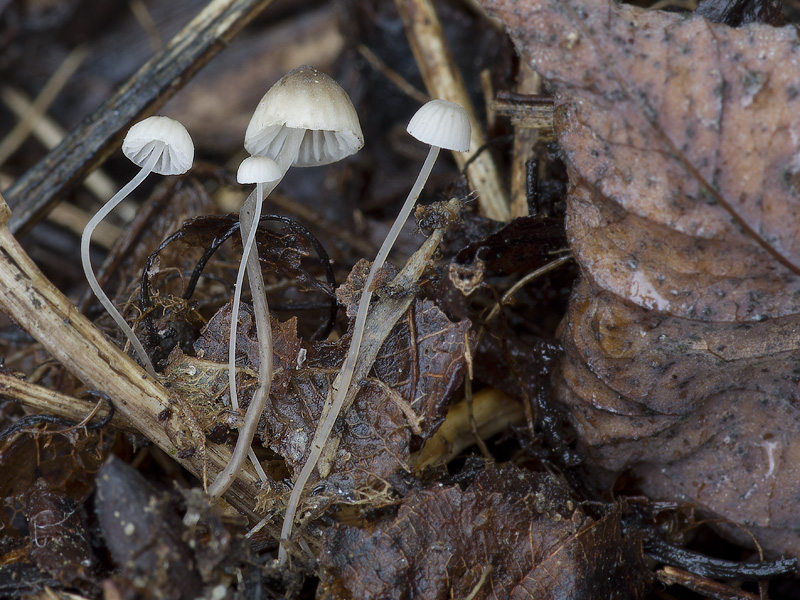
[(715, 568), (293, 226), (26, 424)]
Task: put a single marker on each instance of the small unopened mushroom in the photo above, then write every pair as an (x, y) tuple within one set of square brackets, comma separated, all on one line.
[(441, 124), (157, 145), (261, 171)]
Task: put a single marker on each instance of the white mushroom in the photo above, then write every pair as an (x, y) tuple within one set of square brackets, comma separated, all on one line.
[(306, 119), (259, 170), (157, 144), (441, 124)]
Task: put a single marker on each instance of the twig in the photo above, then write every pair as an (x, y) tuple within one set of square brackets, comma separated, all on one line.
[(706, 587), (33, 194), (526, 110), (50, 134), (48, 401), (528, 82), (142, 15), (443, 80), (402, 84)]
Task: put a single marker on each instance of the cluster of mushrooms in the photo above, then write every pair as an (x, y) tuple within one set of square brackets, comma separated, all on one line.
[(305, 120)]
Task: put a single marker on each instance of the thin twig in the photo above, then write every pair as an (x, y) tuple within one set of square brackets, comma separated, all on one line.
[(48, 401), (402, 84), (51, 89), (31, 300), (49, 133)]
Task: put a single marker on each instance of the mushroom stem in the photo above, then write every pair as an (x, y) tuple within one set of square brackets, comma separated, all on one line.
[(330, 415), (249, 223), (246, 224), (291, 146), (86, 239)]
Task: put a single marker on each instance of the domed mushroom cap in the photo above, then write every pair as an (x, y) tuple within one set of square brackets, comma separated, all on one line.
[(441, 123), (164, 136), (258, 169), (305, 99)]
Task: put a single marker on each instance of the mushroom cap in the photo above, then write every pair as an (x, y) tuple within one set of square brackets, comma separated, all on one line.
[(305, 99), (258, 169), (441, 123), (162, 135)]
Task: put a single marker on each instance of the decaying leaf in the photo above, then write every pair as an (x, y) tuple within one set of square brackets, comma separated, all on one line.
[(415, 375), (510, 534), (682, 139)]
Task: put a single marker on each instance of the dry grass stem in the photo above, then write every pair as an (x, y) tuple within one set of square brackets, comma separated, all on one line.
[(44, 312), (53, 403)]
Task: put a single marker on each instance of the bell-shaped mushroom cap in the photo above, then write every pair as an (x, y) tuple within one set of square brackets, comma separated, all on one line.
[(441, 123), (258, 169), (165, 136), (305, 99)]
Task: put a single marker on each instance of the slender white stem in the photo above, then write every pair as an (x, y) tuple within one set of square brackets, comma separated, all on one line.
[(331, 413), (249, 242), (86, 239), (288, 152), (248, 223)]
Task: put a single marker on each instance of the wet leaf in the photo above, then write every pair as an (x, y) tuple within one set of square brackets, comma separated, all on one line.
[(142, 533), (681, 142), (510, 534), (413, 379)]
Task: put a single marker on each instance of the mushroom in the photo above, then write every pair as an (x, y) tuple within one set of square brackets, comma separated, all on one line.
[(305, 120), (441, 124), (261, 171), (157, 144)]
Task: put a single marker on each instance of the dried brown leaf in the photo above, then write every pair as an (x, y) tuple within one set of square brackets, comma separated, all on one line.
[(416, 372), (681, 139), (510, 534)]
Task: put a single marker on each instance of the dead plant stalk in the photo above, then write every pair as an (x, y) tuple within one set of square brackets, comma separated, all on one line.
[(29, 298)]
